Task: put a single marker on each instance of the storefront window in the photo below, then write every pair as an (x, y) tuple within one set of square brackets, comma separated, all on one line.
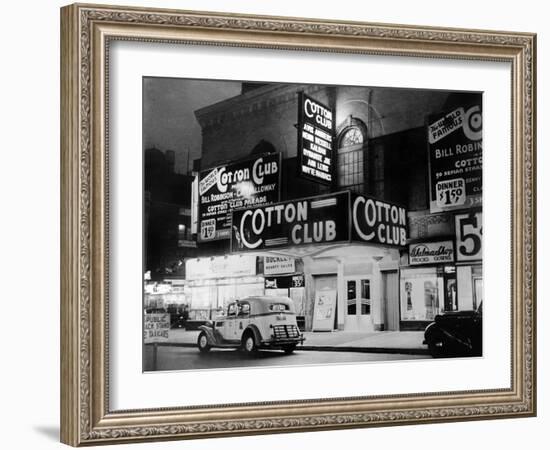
[(478, 292), (422, 295), (209, 301), (203, 300)]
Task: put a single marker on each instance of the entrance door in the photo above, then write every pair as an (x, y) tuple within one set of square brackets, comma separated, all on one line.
[(391, 301), (478, 292), (358, 304)]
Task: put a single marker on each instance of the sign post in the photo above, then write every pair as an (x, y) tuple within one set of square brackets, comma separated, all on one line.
[(155, 330)]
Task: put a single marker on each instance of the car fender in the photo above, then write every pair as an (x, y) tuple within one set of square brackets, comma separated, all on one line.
[(210, 335), (255, 331)]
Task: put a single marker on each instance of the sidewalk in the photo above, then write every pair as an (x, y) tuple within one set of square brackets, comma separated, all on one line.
[(404, 342)]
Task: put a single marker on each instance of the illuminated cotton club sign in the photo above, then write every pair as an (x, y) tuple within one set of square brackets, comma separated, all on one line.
[(315, 140), (307, 221), (379, 222), (319, 220), (246, 183)]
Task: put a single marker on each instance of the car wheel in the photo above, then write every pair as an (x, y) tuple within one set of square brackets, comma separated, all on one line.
[(288, 349), (436, 348), (249, 344), (202, 343)]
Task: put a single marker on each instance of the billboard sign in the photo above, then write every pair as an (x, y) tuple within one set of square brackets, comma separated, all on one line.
[(455, 158), (244, 184), (315, 140)]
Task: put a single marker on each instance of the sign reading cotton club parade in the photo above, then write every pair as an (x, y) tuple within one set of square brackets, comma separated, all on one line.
[(315, 140), (320, 220), (243, 184), (455, 156)]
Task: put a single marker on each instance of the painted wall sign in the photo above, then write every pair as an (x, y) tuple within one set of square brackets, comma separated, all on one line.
[(220, 267), (469, 236), (455, 158), (378, 222), (252, 182), (315, 140), (431, 253), (276, 265), (316, 220)]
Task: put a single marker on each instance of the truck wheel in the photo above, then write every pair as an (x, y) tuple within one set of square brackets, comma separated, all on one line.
[(249, 344), (288, 349), (202, 343)]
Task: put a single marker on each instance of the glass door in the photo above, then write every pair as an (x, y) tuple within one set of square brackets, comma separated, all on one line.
[(358, 304)]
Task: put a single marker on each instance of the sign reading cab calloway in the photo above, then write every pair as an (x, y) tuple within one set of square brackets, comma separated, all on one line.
[(319, 220), (243, 184), (315, 140)]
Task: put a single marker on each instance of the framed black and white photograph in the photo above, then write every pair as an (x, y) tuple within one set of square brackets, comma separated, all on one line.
[(314, 220), (281, 225)]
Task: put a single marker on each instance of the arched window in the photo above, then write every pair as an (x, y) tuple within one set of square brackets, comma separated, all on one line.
[(351, 156)]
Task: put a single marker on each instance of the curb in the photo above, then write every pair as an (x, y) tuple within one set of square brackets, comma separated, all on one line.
[(393, 350), (326, 348)]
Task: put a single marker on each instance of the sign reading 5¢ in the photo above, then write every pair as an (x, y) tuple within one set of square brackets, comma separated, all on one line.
[(469, 236)]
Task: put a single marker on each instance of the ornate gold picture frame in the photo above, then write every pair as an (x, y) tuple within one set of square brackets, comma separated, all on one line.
[(87, 32)]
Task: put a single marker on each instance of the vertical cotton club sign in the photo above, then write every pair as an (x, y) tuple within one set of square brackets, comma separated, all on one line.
[(315, 140)]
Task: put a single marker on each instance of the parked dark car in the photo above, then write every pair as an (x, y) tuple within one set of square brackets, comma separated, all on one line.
[(455, 334)]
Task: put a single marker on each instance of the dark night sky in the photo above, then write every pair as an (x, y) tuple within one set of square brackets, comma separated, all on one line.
[(169, 121)]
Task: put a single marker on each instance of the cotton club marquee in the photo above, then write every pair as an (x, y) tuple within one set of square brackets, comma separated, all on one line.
[(338, 217)]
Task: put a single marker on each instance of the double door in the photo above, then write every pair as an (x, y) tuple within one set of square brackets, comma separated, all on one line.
[(358, 304)]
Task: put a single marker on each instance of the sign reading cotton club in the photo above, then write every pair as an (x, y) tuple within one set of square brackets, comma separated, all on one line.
[(378, 222), (317, 220), (243, 184), (315, 140), (324, 219)]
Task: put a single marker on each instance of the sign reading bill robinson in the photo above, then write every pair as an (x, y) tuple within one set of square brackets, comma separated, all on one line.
[(244, 184), (455, 155)]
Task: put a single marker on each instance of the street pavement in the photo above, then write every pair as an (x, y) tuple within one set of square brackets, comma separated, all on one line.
[(400, 342), (189, 358)]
